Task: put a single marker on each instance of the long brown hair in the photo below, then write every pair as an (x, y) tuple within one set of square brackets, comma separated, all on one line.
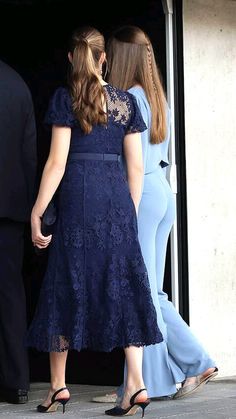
[(87, 45), (131, 61)]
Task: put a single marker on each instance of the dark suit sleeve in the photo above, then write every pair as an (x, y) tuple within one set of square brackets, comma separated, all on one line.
[(30, 154)]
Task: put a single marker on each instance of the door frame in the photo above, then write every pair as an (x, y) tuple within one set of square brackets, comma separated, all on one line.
[(177, 171)]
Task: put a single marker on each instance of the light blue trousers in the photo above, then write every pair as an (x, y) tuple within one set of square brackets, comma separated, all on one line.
[(180, 355)]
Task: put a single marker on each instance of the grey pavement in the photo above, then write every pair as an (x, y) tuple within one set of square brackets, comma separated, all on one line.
[(215, 400)]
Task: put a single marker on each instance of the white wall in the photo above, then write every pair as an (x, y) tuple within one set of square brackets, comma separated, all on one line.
[(210, 114)]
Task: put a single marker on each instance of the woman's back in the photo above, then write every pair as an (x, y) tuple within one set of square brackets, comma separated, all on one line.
[(153, 154), (122, 118), (95, 254)]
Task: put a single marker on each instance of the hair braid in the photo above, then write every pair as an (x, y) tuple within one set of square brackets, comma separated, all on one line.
[(149, 55), (132, 62)]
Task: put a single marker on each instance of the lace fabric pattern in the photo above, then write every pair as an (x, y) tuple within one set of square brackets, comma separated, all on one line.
[(95, 293)]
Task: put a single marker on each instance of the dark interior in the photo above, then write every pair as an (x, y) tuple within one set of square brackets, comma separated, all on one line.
[(34, 35)]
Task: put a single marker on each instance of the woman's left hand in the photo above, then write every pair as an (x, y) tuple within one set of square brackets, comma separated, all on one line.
[(37, 237)]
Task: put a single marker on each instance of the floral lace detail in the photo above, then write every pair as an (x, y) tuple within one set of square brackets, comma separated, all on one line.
[(118, 109), (60, 109), (74, 236), (111, 309), (136, 122), (122, 109)]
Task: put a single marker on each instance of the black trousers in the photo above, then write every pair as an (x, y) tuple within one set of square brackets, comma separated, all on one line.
[(14, 370)]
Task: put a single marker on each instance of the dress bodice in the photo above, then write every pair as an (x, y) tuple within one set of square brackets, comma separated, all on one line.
[(123, 117)]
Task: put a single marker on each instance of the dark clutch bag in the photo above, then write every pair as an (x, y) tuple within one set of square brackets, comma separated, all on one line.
[(48, 221), (49, 218)]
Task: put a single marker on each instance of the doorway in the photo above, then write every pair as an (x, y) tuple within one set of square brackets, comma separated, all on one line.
[(35, 44)]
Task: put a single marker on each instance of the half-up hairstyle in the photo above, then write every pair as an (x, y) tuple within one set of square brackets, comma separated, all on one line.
[(87, 45), (131, 61)]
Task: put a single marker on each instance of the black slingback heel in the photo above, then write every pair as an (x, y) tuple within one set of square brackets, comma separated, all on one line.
[(132, 409), (54, 403)]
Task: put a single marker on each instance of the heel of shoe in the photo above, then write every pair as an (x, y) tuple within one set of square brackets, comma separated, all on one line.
[(143, 406), (63, 402), (54, 403)]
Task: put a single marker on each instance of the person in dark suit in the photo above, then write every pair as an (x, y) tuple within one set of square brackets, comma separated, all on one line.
[(17, 184)]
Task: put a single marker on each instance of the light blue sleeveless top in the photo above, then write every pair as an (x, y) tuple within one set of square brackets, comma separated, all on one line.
[(153, 154)]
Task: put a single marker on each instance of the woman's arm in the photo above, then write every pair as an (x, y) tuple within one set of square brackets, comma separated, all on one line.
[(52, 174), (134, 163), (146, 115)]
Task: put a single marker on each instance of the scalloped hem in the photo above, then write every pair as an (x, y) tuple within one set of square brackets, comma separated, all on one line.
[(98, 348)]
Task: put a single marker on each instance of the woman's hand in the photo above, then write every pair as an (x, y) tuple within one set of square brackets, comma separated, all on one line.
[(37, 238), (52, 175)]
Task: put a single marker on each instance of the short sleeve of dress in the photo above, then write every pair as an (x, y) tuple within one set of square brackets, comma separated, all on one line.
[(59, 111), (136, 122)]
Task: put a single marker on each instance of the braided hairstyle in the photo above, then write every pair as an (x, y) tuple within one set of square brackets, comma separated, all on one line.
[(86, 48), (131, 61)]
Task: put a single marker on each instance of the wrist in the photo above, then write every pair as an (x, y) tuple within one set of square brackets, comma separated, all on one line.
[(35, 214)]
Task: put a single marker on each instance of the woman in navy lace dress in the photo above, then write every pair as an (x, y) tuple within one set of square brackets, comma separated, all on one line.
[(96, 292)]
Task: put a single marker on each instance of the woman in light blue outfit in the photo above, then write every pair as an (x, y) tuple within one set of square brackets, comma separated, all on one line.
[(180, 358), (180, 355)]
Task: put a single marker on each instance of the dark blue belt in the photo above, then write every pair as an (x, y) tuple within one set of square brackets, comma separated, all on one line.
[(94, 156)]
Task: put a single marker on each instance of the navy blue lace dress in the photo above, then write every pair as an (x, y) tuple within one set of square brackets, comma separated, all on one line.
[(95, 292)]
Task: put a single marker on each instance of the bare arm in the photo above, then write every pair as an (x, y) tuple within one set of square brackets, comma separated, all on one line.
[(134, 163), (52, 174)]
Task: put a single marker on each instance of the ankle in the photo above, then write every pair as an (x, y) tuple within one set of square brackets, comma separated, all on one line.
[(134, 386), (57, 385), (132, 389)]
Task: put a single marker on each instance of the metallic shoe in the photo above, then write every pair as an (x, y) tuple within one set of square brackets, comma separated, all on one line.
[(107, 398), (191, 388)]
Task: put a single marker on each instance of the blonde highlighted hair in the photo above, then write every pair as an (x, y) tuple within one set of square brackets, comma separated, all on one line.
[(87, 46), (131, 62)]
